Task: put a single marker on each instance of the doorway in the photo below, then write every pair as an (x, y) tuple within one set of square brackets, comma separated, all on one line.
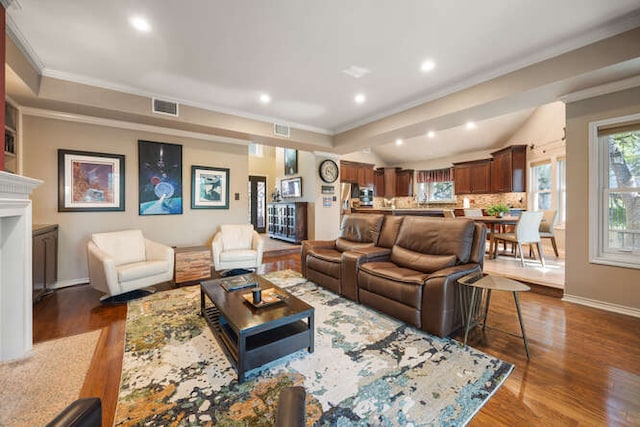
[(258, 202)]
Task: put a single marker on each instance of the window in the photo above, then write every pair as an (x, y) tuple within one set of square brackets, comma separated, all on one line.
[(614, 188), (561, 170), (435, 186), (256, 150), (541, 185)]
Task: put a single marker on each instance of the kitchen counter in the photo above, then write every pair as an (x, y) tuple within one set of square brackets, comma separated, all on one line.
[(402, 211)]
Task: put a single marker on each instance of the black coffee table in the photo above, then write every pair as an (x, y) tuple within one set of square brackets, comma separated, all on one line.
[(252, 337)]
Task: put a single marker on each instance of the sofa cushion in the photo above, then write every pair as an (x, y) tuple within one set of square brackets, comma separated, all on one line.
[(436, 236), (236, 236), (425, 263), (392, 282), (361, 228), (138, 270), (124, 247), (327, 261), (238, 255)]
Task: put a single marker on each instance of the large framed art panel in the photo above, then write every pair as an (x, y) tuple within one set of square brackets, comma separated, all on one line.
[(89, 181), (159, 178)]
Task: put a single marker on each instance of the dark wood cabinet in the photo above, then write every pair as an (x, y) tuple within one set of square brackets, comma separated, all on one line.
[(378, 183), (393, 182), (508, 171), (44, 260), (287, 221), (472, 177), (404, 183), (356, 173)]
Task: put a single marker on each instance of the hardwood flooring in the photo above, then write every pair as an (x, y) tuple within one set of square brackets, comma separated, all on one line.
[(584, 367)]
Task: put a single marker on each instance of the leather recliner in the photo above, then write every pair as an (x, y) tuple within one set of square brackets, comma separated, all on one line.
[(322, 260), (417, 283)]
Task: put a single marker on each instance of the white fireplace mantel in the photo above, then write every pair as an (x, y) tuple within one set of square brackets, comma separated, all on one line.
[(16, 310)]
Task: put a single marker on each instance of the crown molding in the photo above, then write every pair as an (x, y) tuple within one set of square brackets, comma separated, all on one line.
[(121, 124), (22, 43)]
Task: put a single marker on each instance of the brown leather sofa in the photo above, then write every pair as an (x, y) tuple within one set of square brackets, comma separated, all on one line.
[(407, 270), (322, 260), (417, 283)]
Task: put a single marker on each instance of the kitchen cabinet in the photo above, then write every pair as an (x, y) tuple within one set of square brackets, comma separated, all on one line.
[(356, 173), (393, 182), (378, 183), (404, 183), (508, 170), (44, 260), (472, 177)]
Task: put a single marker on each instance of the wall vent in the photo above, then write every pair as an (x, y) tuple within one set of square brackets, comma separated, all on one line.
[(281, 130), (160, 106)]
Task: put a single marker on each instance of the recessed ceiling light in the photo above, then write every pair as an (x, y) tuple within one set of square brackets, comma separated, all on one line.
[(470, 125), (427, 66), (431, 134), (140, 24), (265, 98), (399, 141), (360, 98)]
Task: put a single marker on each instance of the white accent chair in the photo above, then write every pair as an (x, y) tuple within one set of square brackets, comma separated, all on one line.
[(124, 261), (237, 246), (526, 233), (547, 228)]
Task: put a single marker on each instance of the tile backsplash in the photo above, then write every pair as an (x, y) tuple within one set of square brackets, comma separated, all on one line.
[(514, 200)]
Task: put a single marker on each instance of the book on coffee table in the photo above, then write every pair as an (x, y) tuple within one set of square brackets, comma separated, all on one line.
[(238, 282)]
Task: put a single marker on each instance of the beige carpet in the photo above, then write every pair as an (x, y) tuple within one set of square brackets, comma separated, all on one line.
[(33, 390)]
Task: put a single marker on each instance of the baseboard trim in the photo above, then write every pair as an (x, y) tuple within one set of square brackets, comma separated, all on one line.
[(616, 308), (66, 283)]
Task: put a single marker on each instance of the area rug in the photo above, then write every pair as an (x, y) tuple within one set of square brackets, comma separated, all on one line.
[(367, 368), (35, 389)]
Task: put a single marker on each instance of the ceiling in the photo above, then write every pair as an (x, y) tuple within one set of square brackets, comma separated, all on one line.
[(223, 55)]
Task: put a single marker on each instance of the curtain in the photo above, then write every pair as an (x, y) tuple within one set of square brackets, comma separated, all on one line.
[(435, 175)]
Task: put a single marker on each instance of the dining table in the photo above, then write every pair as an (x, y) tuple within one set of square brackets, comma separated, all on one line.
[(494, 223)]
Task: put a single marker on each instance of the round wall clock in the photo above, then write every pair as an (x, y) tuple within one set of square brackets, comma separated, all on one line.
[(329, 171)]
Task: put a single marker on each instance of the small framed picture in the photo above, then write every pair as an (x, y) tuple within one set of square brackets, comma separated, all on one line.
[(209, 188), (89, 182), (290, 161)]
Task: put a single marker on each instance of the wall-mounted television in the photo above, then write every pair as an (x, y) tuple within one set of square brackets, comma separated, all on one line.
[(291, 187)]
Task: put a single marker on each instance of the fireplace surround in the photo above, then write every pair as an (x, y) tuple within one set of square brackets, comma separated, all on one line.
[(16, 309)]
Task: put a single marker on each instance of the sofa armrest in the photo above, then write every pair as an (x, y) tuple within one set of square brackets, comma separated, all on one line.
[(217, 246), (374, 253), (257, 244), (440, 314), (102, 270), (307, 245), (158, 251), (80, 413)]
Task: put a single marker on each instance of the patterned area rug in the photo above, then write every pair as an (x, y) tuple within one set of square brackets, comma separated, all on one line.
[(367, 368)]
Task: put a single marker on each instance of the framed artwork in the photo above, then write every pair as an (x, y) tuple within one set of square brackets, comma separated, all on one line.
[(159, 178), (90, 181), (209, 188), (290, 161)]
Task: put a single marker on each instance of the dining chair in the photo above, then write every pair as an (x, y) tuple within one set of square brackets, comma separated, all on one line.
[(526, 233), (547, 225)]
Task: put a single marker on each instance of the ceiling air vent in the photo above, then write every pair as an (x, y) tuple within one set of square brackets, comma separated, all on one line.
[(165, 107), (281, 130)]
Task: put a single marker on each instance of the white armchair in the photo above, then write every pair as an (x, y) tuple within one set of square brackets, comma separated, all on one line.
[(237, 246), (123, 261)]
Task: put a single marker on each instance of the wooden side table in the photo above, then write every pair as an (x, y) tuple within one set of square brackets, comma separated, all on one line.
[(192, 264), (471, 303)]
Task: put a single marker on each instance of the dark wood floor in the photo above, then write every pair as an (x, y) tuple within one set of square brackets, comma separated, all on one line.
[(584, 367)]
